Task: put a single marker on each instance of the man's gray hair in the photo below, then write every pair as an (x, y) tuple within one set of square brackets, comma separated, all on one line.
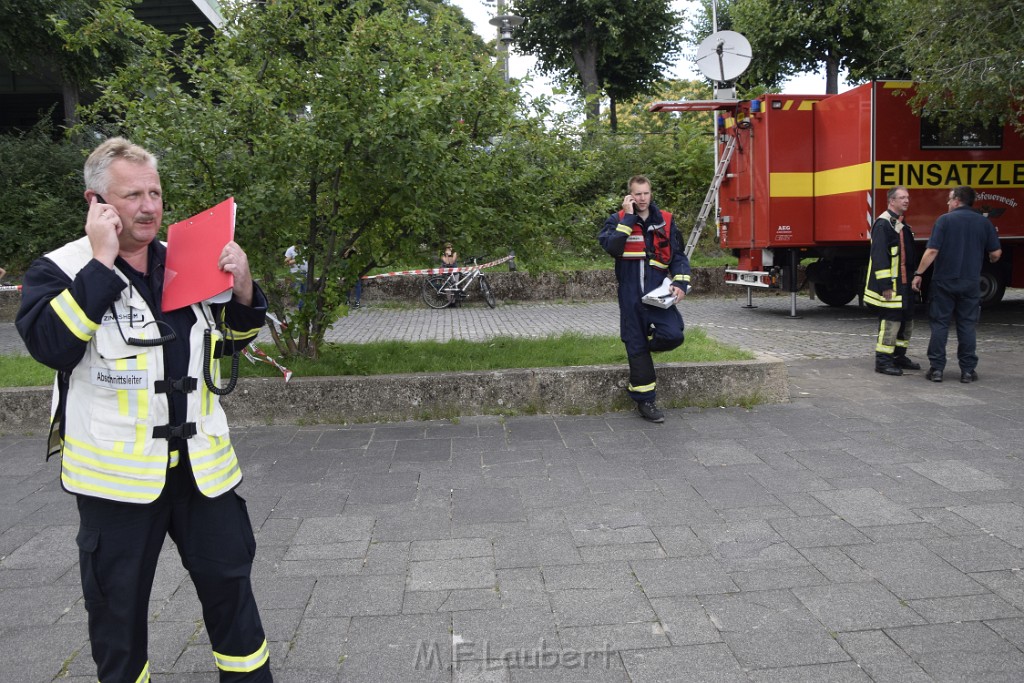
[(97, 166), (891, 194)]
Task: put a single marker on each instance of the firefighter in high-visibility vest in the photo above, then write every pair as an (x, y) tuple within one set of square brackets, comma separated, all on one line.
[(888, 289), (647, 250), (143, 440)]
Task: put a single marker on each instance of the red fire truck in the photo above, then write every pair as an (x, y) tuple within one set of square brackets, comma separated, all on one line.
[(803, 177)]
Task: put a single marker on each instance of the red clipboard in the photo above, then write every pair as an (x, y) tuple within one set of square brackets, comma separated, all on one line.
[(194, 245)]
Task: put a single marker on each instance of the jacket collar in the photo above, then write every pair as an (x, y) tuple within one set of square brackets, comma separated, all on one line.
[(654, 217)]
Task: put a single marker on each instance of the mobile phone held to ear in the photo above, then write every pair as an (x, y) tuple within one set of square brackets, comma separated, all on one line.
[(616, 209), (99, 199)]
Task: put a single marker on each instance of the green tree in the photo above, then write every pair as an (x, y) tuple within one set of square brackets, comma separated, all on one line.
[(966, 59), (676, 150), (788, 37), (620, 47), (365, 132)]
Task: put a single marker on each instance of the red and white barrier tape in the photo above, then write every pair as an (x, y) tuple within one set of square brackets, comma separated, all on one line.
[(503, 259), (421, 271), (10, 288), (262, 357), (274, 320), (440, 271)]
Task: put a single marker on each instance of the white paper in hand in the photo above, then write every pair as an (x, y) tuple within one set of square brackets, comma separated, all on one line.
[(662, 297)]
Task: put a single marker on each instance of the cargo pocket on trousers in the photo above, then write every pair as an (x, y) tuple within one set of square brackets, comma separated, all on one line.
[(88, 541)]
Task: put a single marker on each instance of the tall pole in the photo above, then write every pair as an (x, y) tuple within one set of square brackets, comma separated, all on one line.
[(505, 23), (502, 44)]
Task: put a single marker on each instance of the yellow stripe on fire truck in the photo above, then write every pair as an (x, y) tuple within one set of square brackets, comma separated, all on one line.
[(786, 105), (943, 174), (914, 175)]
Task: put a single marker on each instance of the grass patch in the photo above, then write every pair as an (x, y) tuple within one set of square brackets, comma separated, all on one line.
[(23, 371), (385, 358), (395, 357)]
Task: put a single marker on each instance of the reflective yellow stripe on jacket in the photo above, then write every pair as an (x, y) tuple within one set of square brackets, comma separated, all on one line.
[(112, 474), (216, 469), (77, 322), (873, 298)]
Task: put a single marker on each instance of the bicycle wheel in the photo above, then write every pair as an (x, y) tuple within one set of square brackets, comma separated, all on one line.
[(485, 289), (433, 292)]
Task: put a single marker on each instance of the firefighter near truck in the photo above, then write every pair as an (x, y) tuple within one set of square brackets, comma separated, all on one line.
[(803, 177)]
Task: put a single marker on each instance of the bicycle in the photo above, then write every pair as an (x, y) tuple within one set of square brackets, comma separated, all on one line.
[(441, 291)]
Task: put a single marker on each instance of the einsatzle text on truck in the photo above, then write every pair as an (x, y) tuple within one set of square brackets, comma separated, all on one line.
[(804, 176)]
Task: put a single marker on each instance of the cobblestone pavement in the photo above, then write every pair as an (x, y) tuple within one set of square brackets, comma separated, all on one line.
[(820, 332), (871, 529)]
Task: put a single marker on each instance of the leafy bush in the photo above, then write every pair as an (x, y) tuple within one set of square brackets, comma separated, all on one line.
[(674, 150), (41, 204)]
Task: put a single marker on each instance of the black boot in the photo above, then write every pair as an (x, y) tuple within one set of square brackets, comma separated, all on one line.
[(904, 362), (885, 363)]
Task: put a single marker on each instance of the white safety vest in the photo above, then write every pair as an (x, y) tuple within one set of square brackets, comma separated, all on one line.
[(109, 450)]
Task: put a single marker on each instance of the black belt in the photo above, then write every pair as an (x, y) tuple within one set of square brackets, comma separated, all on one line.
[(185, 430)]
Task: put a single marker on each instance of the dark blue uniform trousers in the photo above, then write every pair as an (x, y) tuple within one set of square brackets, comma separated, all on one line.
[(119, 544), (646, 329), (960, 298)]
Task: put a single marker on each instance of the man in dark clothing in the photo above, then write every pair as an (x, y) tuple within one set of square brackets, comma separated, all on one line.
[(143, 440), (647, 250), (888, 287), (958, 245)]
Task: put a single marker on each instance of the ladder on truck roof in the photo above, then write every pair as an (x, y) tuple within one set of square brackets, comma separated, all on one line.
[(709, 199)]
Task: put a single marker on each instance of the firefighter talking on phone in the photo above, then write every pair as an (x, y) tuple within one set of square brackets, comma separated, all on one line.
[(143, 441), (647, 250)]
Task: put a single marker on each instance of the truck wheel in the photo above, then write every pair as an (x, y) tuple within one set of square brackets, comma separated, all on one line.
[(992, 287), (834, 295)]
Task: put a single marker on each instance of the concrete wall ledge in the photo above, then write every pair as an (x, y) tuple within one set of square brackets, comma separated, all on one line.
[(389, 398)]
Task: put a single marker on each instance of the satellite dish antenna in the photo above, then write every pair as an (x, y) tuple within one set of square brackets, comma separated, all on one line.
[(724, 56)]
